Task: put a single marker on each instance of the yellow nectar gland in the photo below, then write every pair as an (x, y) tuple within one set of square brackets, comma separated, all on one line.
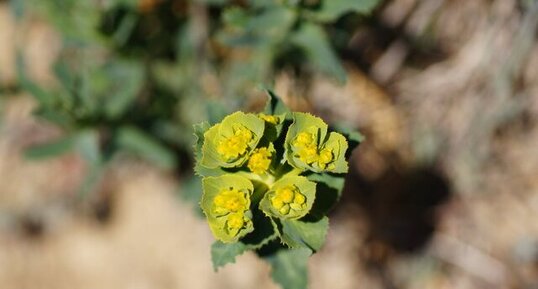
[(307, 151), (236, 145), (268, 118), (259, 161), (230, 201), (235, 221), (288, 198)]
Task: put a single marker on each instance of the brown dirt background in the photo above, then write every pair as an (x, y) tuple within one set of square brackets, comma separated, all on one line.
[(444, 193)]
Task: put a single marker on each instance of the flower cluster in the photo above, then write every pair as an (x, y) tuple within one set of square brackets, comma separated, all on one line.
[(265, 168)]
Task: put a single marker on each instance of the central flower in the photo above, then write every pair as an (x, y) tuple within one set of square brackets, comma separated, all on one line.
[(269, 118), (260, 160)]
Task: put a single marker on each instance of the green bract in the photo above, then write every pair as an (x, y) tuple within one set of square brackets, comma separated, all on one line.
[(309, 147), (226, 204), (269, 180), (228, 144), (289, 198)]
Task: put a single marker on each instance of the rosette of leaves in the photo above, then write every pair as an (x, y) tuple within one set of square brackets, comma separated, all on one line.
[(269, 179)]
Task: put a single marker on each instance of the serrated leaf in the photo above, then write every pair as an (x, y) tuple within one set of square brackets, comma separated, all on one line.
[(199, 131), (145, 146), (338, 145), (300, 233), (52, 149), (222, 254), (353, 137), (289, 268), (311, 38), (331, 10)]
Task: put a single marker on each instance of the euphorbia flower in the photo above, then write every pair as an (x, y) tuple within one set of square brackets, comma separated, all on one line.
[(308, 147), (289, 198), (229, 143), (261, 159), (226, 204)]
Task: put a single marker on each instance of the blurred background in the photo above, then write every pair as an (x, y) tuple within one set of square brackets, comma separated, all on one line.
[(98, 98)]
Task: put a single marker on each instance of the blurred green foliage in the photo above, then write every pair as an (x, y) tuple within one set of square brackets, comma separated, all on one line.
[(134, 75)]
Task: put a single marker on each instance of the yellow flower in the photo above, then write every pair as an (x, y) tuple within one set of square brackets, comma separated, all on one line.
[(288, 198), (235, 222), (306, 147), (235, 146), (230, 201), (269, 118), (260, 160)]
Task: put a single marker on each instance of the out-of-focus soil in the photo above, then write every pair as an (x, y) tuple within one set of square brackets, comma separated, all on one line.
[(443, 194)]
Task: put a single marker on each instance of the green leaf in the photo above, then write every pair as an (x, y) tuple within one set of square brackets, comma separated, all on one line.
[(43, 97), (311, 38), (222, 253), (265, 231), (64, 75), (289, 268), (52, 149), (17, 8), (328, 192), (213, 2), (300, 233), (190, 191), (126, 27), (124, 81), (87, 144), (199, 131), (274, 105), (331, 10), (260, 28), (216, 111), (353, 137), (57, 117), (338, 145), (142, 144)]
